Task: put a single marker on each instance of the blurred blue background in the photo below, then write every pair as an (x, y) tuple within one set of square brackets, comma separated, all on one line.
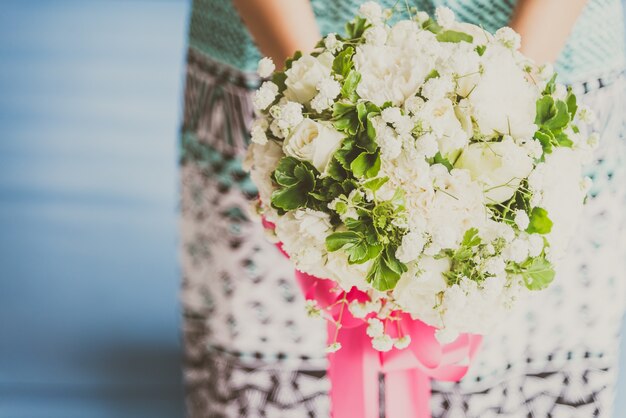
[(89, 110)]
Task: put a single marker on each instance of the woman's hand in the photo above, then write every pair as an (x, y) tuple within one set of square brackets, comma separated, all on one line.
[(545, 26), (280, 27)]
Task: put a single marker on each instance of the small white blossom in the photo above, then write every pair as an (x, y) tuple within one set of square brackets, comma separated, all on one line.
[(265, 95), (266, 67), (334, 347), (593, 141), (382, 343), (291, 114), (402, 342), (495, 266), (312, 309), (535, 245), (372, 12), (585, 114), (437, 88), (414, 104), (332, 43), (444, 16), (421, 17), (509, 38), (411, 247), (375, 327), (391, 114), (521, 219), (533, 148), (516, 251), (257, 131), (376, 35)]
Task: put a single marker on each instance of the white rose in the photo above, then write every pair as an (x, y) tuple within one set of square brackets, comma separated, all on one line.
[(503, 101), (499, 166), (313, 142), (304, 76)]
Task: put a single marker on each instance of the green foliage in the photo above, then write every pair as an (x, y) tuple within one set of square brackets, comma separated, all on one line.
[(432, 26), (342, 64), (386, 270), (454, 36), (480, 49), (348, 90), (376, 183), (296, 179), (540, 223), (366, 165), (356, 28), (537, 273), (552, 118), (440, 159)]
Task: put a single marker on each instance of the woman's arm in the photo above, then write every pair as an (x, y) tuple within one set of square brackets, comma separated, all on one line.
[(545, 26), (280, 27)]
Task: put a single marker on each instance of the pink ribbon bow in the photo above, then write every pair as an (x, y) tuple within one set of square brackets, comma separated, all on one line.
[(354, 369)]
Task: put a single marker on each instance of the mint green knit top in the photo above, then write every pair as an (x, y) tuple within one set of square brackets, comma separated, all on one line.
[(595, 47)]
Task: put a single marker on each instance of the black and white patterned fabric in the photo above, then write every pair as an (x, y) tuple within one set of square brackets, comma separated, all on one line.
[(250, 351)]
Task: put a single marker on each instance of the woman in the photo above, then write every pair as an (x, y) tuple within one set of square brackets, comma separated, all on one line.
[(250, 350)]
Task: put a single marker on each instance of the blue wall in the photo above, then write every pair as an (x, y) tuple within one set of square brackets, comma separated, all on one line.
[(89, 110)]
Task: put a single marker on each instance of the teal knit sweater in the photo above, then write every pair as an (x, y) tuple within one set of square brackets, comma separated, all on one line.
[(595, 47)]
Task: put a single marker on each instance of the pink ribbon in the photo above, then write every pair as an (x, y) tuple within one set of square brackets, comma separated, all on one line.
[(354, 369)]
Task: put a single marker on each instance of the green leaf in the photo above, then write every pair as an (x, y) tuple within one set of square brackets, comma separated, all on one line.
[(279, 79), (480, 49), (289, 61), (398, 198), (471, 238), (346, 118), (338, 240), (342, 64), (540, 223), (296, 179), (348, 90), (289, 198), (432, 74), (386, 271), (440, 159), (538, 274), (454, 36), (366, 165), (335, 169), (356, 28), (375, 184), (546, 141), (546, 110), (284, 173), (432, 26), (354, 244), (550, 86), (563, 140), (572, 105), (561, 117)]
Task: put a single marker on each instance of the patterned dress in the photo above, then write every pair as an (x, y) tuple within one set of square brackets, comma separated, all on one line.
[(250, 351)]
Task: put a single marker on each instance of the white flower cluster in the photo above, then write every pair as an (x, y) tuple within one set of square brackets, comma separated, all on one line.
[(431, 166)]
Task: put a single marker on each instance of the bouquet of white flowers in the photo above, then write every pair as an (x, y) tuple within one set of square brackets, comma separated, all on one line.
[(427, 163)]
